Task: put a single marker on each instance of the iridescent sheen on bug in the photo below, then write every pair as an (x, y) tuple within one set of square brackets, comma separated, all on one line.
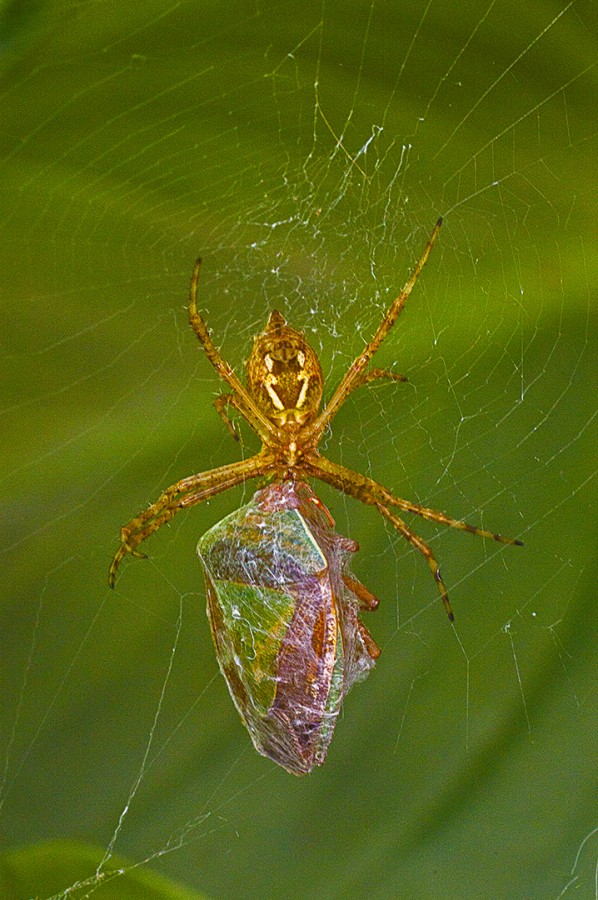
[(283, 609)]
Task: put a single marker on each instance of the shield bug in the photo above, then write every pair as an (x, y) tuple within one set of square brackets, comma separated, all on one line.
[(283, 609)]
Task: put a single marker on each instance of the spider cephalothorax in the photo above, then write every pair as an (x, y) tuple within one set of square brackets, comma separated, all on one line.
[(281, 402)]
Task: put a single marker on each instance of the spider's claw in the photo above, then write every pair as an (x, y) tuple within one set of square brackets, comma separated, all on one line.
[(138, 554), (443, 593), (120, 554), (500, 538)]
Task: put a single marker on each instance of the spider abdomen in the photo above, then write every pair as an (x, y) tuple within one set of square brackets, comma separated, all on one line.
[(284, 374)]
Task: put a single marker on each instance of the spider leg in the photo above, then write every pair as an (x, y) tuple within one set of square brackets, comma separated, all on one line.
[(355, 373), (181, 495), (373, 374), (424, 549), (369, 491), (221, 402), (245, 406)]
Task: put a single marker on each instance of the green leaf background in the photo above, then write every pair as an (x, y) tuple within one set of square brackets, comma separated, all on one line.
[(305, 150)]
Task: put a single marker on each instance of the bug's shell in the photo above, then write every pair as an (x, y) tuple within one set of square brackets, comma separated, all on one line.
[(284, 622)]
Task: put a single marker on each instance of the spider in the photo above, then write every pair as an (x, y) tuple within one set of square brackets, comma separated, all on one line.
[(281, 403)]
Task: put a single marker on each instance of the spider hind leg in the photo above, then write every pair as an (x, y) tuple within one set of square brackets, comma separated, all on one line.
[(419, 544)]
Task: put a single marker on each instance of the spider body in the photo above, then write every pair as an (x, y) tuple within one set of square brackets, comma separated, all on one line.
[(283, 610), (284, 376), (281, 402)]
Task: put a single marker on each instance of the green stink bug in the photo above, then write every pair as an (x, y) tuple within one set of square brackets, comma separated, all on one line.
[(283, 610)]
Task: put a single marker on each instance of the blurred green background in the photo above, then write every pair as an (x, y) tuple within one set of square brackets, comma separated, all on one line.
[(305, 151)]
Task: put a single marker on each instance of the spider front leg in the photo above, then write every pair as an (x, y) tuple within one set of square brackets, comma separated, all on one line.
[(357, 372), (240, 398), (185, 493)]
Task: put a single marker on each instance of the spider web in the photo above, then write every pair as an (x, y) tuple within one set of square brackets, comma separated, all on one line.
[(306, 157)]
